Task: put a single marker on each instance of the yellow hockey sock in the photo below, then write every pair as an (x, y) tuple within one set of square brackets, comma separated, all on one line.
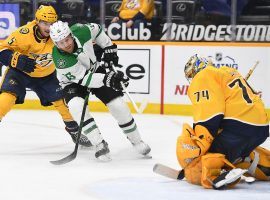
[(7, 101), (61, 107)]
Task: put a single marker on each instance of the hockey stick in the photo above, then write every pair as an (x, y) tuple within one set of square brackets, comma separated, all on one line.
[(144, 102), (180, 175), (251, 70), (168, 172), (73, 155)]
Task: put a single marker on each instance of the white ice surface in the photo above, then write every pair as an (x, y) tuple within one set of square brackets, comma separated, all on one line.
[(30, 139)]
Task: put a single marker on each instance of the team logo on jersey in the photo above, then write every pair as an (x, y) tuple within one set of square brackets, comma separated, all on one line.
[(12, 82), (61, 63), (24, 30), (44, 60)]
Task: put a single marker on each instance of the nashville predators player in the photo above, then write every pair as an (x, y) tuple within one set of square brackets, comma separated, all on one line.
[(230, 123), (27, 54)]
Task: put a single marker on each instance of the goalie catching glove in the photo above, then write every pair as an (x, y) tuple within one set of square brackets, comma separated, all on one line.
[(115, 80), (110, 55), (192, 144)]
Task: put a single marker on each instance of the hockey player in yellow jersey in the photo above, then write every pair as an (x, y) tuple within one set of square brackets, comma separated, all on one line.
[(134, 12), (230, 122), (27, 53)]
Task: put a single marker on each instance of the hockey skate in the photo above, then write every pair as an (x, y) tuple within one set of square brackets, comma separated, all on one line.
[(228, 178), (82, 141), (139, 145), (103, 152), (142, 148)]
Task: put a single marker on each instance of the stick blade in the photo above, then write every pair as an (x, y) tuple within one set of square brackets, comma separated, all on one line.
[(65, 160), (168, 172)]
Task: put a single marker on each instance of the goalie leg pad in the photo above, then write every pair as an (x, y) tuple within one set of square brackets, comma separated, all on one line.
[(258, 164), (186, 148), (193, 172), (212, 166)]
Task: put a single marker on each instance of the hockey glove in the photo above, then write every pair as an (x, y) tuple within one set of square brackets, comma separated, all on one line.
[(114, 80), (22, 62), (98, 52), (110, 55), (72, 128)]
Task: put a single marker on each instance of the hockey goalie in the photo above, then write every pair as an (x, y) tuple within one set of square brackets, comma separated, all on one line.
[(230, 123)]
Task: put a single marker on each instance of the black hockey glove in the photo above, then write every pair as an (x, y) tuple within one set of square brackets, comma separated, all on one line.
[(98, 52), (22, 62), (114, 80), (110, 55), (72, 128)]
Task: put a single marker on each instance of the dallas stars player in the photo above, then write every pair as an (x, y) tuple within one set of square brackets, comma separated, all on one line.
[(78, 69), (27, 53)]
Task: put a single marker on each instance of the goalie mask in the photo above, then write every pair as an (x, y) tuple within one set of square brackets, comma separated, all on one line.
[(194, 65)]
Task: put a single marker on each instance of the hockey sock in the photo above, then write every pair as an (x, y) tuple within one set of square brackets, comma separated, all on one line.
[(7, 101), (61, 107), (120, 111), (89, 125)]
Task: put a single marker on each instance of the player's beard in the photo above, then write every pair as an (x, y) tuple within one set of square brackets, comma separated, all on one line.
[(42, 34)]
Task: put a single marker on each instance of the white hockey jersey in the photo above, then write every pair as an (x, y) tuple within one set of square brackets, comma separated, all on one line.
[(79, 66)]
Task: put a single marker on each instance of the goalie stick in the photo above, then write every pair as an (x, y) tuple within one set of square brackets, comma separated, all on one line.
[(169, 172), (251, 70), (142, 105), (73, 155)]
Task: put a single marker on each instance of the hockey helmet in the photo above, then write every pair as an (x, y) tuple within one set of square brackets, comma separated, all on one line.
[(59, 31), (46, 13), (194, 65)]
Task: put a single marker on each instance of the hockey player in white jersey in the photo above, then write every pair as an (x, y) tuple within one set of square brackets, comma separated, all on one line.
[(78, 70)]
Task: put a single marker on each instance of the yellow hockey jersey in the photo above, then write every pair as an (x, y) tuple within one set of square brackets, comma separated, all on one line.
[(25, 41), (129, 8), (223, 91)]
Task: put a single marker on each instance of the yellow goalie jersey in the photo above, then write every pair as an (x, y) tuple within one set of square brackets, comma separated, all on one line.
[(224, 92), (26, 41)]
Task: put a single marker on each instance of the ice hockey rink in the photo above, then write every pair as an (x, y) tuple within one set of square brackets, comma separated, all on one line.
[(30, 139)]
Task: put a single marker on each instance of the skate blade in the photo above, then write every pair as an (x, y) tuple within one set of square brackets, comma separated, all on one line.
[(147, 156), (91, 148), (104, 158)]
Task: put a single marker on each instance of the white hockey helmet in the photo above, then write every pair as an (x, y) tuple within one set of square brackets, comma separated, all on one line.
[(59, 31)]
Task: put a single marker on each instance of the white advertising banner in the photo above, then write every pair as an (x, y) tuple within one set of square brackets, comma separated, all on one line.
[(142, 64), (241, 58)]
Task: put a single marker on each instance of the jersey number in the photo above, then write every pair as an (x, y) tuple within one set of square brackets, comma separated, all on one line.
[(69, 76), (202, 94), (243, 88)]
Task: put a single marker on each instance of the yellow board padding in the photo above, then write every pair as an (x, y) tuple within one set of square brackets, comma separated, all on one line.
[(94, 106), (151, 108)]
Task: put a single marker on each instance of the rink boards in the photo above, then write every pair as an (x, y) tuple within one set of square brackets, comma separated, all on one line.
[(156, 72)]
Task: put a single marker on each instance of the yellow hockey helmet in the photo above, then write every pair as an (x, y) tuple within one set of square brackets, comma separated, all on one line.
[(46, 13), (194, 65)]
